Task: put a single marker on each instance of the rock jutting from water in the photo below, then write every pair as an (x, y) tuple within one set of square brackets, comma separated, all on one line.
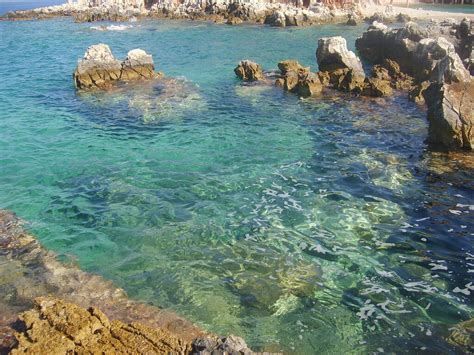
[(339, 68), (249, 71), (99, 69), (438, 74), (79, 312)]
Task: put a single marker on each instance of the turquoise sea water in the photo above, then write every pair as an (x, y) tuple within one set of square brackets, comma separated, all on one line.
[(320, 225)]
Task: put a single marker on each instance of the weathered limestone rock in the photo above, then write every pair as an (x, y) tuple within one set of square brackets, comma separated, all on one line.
[(138, 65), (353, 82), (308, 84), (99, 68), (416, 93), (55, 326), (298, 79), (332, 54), (451, 114), (376, 87), (224, 345), (249, 71), (288, 65)]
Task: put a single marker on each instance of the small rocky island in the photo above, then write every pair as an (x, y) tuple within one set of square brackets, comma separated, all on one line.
[(99, 69)]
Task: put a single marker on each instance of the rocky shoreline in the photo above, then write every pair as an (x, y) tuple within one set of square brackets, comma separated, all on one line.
[(433, 64), (46, 305)]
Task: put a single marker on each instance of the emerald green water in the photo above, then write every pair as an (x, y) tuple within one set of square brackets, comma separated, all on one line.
[(320, 225)]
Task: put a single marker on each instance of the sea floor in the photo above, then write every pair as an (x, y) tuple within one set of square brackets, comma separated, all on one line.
[(323, 225)]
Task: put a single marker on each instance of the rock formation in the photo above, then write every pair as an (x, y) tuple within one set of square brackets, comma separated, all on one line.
[(249, 71), (55, 326), (99, 69), (439, 76)]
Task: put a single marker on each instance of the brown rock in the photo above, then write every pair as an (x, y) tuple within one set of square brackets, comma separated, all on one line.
[(308, 84), (57, 327), (99, 69), (462, 335), (353, 82), (249, 71), (291, 65), (234, 21), (291, 81), (376, 87), (416, 93), (451, 114)]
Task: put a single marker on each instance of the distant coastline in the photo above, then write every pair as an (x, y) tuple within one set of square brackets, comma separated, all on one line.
[(26, 5)]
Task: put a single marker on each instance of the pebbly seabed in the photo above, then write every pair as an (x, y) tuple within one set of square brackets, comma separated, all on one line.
[(310, 225)]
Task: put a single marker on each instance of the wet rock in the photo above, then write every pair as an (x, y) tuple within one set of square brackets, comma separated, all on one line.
[(308, 84), (138, 65), (225, 345), (416, 93), (353, 82), (288, 65), (249, 71), (99, 69), (332, 54), (379, 17), (376, 87), (451, 114), (276, 19), (55, 326), (462, 335)]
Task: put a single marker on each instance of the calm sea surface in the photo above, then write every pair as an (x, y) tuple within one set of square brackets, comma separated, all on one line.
[(320, 225)]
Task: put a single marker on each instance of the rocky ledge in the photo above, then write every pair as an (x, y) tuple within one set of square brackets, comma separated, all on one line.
[(50, 307), (99, 69)]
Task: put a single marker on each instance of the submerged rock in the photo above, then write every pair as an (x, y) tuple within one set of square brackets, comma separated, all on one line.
[(462, 335), (249, 71), (99, 69)]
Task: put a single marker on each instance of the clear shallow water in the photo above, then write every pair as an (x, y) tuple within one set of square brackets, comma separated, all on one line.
[(318, 225)]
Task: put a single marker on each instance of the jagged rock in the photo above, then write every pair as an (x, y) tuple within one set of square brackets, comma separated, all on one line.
[(436, 60), (353, 82), (99, 68), (416, 93), (308, 84), (276, 19), (288, 65), (224, 345), (55, 326), (451, 114), (332, 54), (376, 87), (249, 71), (291, 81)]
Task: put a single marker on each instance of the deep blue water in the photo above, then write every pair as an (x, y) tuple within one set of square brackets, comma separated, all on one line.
[(322, 225)]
